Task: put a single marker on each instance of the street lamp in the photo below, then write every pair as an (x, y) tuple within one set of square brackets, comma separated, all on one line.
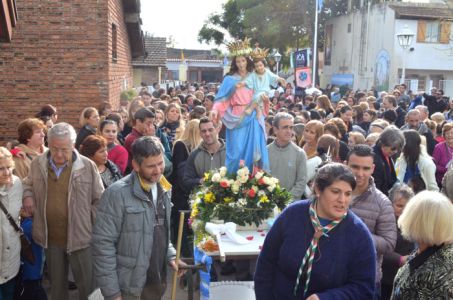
[(277, 57), (405, 37)]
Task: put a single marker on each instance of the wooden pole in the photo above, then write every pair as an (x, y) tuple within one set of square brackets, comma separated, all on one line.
[(178, 254)]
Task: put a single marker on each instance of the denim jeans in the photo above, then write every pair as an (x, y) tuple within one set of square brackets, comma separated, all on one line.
[(7, 289)]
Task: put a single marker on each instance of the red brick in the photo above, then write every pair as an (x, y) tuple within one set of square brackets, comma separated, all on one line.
[(60, 54)]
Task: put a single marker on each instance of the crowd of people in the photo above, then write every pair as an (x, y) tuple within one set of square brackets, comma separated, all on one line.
[(105, 202)]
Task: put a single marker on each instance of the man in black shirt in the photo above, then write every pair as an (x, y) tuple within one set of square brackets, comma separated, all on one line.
[(435, 101)]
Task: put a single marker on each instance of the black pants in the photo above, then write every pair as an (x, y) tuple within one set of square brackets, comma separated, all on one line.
[(32, 290), (186, 241)]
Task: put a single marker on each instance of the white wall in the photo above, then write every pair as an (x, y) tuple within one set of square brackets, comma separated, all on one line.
[(346, 51), (381, 34), (426, 56)]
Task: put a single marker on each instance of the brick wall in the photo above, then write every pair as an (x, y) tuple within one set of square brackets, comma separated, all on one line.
[(60, 55), (119, 72)]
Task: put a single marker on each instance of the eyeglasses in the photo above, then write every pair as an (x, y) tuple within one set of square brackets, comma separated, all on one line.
[(62, 150)]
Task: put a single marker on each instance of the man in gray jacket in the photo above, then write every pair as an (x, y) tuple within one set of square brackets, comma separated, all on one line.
[(131, 244), (372, 206), (208, 156), (288, 162)]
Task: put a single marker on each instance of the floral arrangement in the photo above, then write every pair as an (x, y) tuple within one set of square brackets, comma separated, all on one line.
[(242, 198)]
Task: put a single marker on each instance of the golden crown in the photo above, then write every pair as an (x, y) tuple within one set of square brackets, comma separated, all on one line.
[(259, 54), (239, 48)]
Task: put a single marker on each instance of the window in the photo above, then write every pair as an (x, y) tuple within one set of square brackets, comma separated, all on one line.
[(349, 27), (433, 32), (174, 75), (114, 42)]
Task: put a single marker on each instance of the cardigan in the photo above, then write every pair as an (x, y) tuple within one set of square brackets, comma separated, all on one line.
[(344, 265), (441, 157)]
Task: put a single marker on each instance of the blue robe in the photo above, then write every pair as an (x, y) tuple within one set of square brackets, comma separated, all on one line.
[(245, 134)]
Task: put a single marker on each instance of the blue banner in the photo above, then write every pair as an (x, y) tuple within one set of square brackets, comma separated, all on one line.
[(301, 58)]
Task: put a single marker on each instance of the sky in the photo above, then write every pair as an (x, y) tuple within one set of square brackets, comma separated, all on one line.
[(181, 19)]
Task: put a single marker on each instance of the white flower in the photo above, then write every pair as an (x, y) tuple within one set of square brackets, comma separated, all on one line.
[(266, 180), (235, 187), (216, 177), (261, 193), (242, 202), (271, 187), (223, 171), (243, 172), (258, 175), (255, 188), (243, 179)]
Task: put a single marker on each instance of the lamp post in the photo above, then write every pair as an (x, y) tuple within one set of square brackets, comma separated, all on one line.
[(277, 57), (405, 37)]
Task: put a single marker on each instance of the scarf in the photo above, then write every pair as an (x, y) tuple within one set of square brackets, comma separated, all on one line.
[(307, 262)]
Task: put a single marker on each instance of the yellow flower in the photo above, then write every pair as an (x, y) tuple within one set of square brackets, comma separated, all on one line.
[(206, 176), (264, 199), (209, 197), (228, 199), (194, 212)]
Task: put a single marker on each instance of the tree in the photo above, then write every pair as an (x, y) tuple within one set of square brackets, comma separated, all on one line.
[(279, 24), (275, 24), (230, 21)]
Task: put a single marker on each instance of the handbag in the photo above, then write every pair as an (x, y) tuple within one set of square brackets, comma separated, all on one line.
[(26, 250)]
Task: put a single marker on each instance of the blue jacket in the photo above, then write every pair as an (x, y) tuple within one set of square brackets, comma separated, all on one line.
[(344, 265), (32, 272)]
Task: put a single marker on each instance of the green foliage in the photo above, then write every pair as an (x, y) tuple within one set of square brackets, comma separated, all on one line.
[(128, 95), (240, 198), (274, 24), (230, 20)]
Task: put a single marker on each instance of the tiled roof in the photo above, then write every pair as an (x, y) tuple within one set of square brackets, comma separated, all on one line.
[(156, 49), (422, 10), (175, 53)]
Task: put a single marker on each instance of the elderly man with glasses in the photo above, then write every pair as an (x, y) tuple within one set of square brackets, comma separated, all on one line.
[(63, 189)]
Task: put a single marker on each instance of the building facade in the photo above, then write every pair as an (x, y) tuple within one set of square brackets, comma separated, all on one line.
[(362, 45), (151, 68), (71, 54), (194, 65)]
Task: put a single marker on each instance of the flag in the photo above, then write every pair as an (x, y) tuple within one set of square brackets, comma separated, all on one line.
[(225, 61), (320, 3), (291, 60), (303, 77)]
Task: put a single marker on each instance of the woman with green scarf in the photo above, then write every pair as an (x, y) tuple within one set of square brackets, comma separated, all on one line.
[(318, 249)]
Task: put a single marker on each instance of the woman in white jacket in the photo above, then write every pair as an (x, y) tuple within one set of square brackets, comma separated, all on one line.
[(414, 163), (11, 198)]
